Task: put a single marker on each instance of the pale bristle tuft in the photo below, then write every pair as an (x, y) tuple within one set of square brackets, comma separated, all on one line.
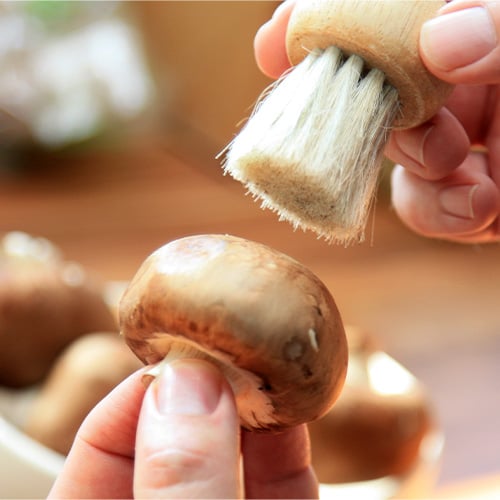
[(312, 149)]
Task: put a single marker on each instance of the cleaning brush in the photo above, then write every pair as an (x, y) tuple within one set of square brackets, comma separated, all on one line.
[(313, 147)]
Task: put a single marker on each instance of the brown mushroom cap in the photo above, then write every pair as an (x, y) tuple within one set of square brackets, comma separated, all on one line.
[(81, 376), (266, 320), (382, 423), (45, 303)]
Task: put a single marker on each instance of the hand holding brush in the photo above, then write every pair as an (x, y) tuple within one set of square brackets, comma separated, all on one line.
[(432, 150)]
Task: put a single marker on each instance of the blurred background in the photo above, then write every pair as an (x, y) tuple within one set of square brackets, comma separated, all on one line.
[(111, 118)]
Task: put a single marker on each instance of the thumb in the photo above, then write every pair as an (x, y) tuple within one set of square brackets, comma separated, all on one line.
[(187, 443), (461, 45)]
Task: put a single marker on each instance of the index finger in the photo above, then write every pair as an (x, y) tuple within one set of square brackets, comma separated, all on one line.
[(101, 461), (270, 42)]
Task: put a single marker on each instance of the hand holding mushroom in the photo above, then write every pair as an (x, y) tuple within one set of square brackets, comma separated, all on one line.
[(241, 335), (188, 444)]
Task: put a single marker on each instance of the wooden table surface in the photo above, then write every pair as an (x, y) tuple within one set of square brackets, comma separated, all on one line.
[(434, 306)]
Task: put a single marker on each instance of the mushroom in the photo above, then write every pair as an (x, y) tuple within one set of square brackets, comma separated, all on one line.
[(263, 318), (78, 380), (45, 303), (380, 424)]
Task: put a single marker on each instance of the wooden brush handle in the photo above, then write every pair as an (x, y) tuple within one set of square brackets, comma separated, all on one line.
[(385, 33)]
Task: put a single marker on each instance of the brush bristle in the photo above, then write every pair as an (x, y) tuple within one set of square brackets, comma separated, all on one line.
[(312, 148)]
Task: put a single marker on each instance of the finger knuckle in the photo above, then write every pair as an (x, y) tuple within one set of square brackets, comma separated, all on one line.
[(167, 468)]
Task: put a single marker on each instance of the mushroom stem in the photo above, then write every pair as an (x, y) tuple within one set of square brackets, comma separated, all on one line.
[(254, 405)]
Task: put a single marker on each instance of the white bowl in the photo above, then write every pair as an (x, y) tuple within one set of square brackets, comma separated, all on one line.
[(28, 468)]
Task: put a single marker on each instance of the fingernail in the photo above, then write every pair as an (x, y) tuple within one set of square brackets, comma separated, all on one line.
[(459, 38), (413, 144), (458, 201), (188, 387)]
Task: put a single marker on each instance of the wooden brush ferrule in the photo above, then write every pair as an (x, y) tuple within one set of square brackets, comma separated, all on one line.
[(385, 33)]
